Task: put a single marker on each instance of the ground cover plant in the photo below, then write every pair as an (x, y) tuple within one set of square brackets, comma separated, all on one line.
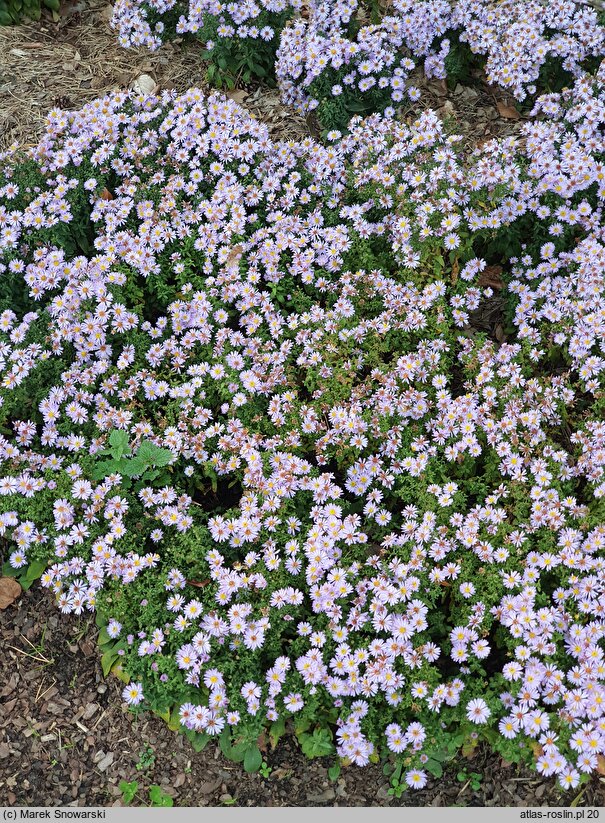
[(345, 57), (239, 39), (247, 419), (345, 60)]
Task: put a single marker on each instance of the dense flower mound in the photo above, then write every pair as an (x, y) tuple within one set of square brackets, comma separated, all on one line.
[(355, 56), (523, 41), (338, 62), (246, 416), (336, 65)]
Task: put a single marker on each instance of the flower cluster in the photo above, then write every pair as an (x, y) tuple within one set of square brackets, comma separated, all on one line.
[(330, 497), (524, 41), (335, 64), (239, 38), (141, 24), (346, 57)]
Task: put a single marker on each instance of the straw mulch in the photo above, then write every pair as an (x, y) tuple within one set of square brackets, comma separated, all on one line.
[(76, 59)]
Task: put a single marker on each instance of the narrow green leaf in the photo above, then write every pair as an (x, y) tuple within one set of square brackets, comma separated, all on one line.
[(35, 570), (104, 639), (199, 741), (277, 730), (334, 771), (224, 742)]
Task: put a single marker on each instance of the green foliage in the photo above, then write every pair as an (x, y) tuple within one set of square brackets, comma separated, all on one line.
[(474, 778), (237, 60), (146, 759), (334, 771), (253, 759), (317, 744), (336, 112), (461, 62), (157, 796), (17, 11), (129, 790), (265, 770), (27, 575), (145, 463)]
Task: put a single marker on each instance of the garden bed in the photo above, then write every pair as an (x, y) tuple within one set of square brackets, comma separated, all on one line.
[(78, 59), (63, 714), (65, 739)]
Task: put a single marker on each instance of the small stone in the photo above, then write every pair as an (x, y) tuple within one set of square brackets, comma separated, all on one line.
[(447, 110), (145, 84), (383, 795), (4, 751), (210, 786)]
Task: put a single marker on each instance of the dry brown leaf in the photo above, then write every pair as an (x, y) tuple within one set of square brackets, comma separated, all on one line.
[(491, 277), (237, 95), (469, 749), (9, 591), (536, 748), (509, 112), (499, 332), (455, 270)]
